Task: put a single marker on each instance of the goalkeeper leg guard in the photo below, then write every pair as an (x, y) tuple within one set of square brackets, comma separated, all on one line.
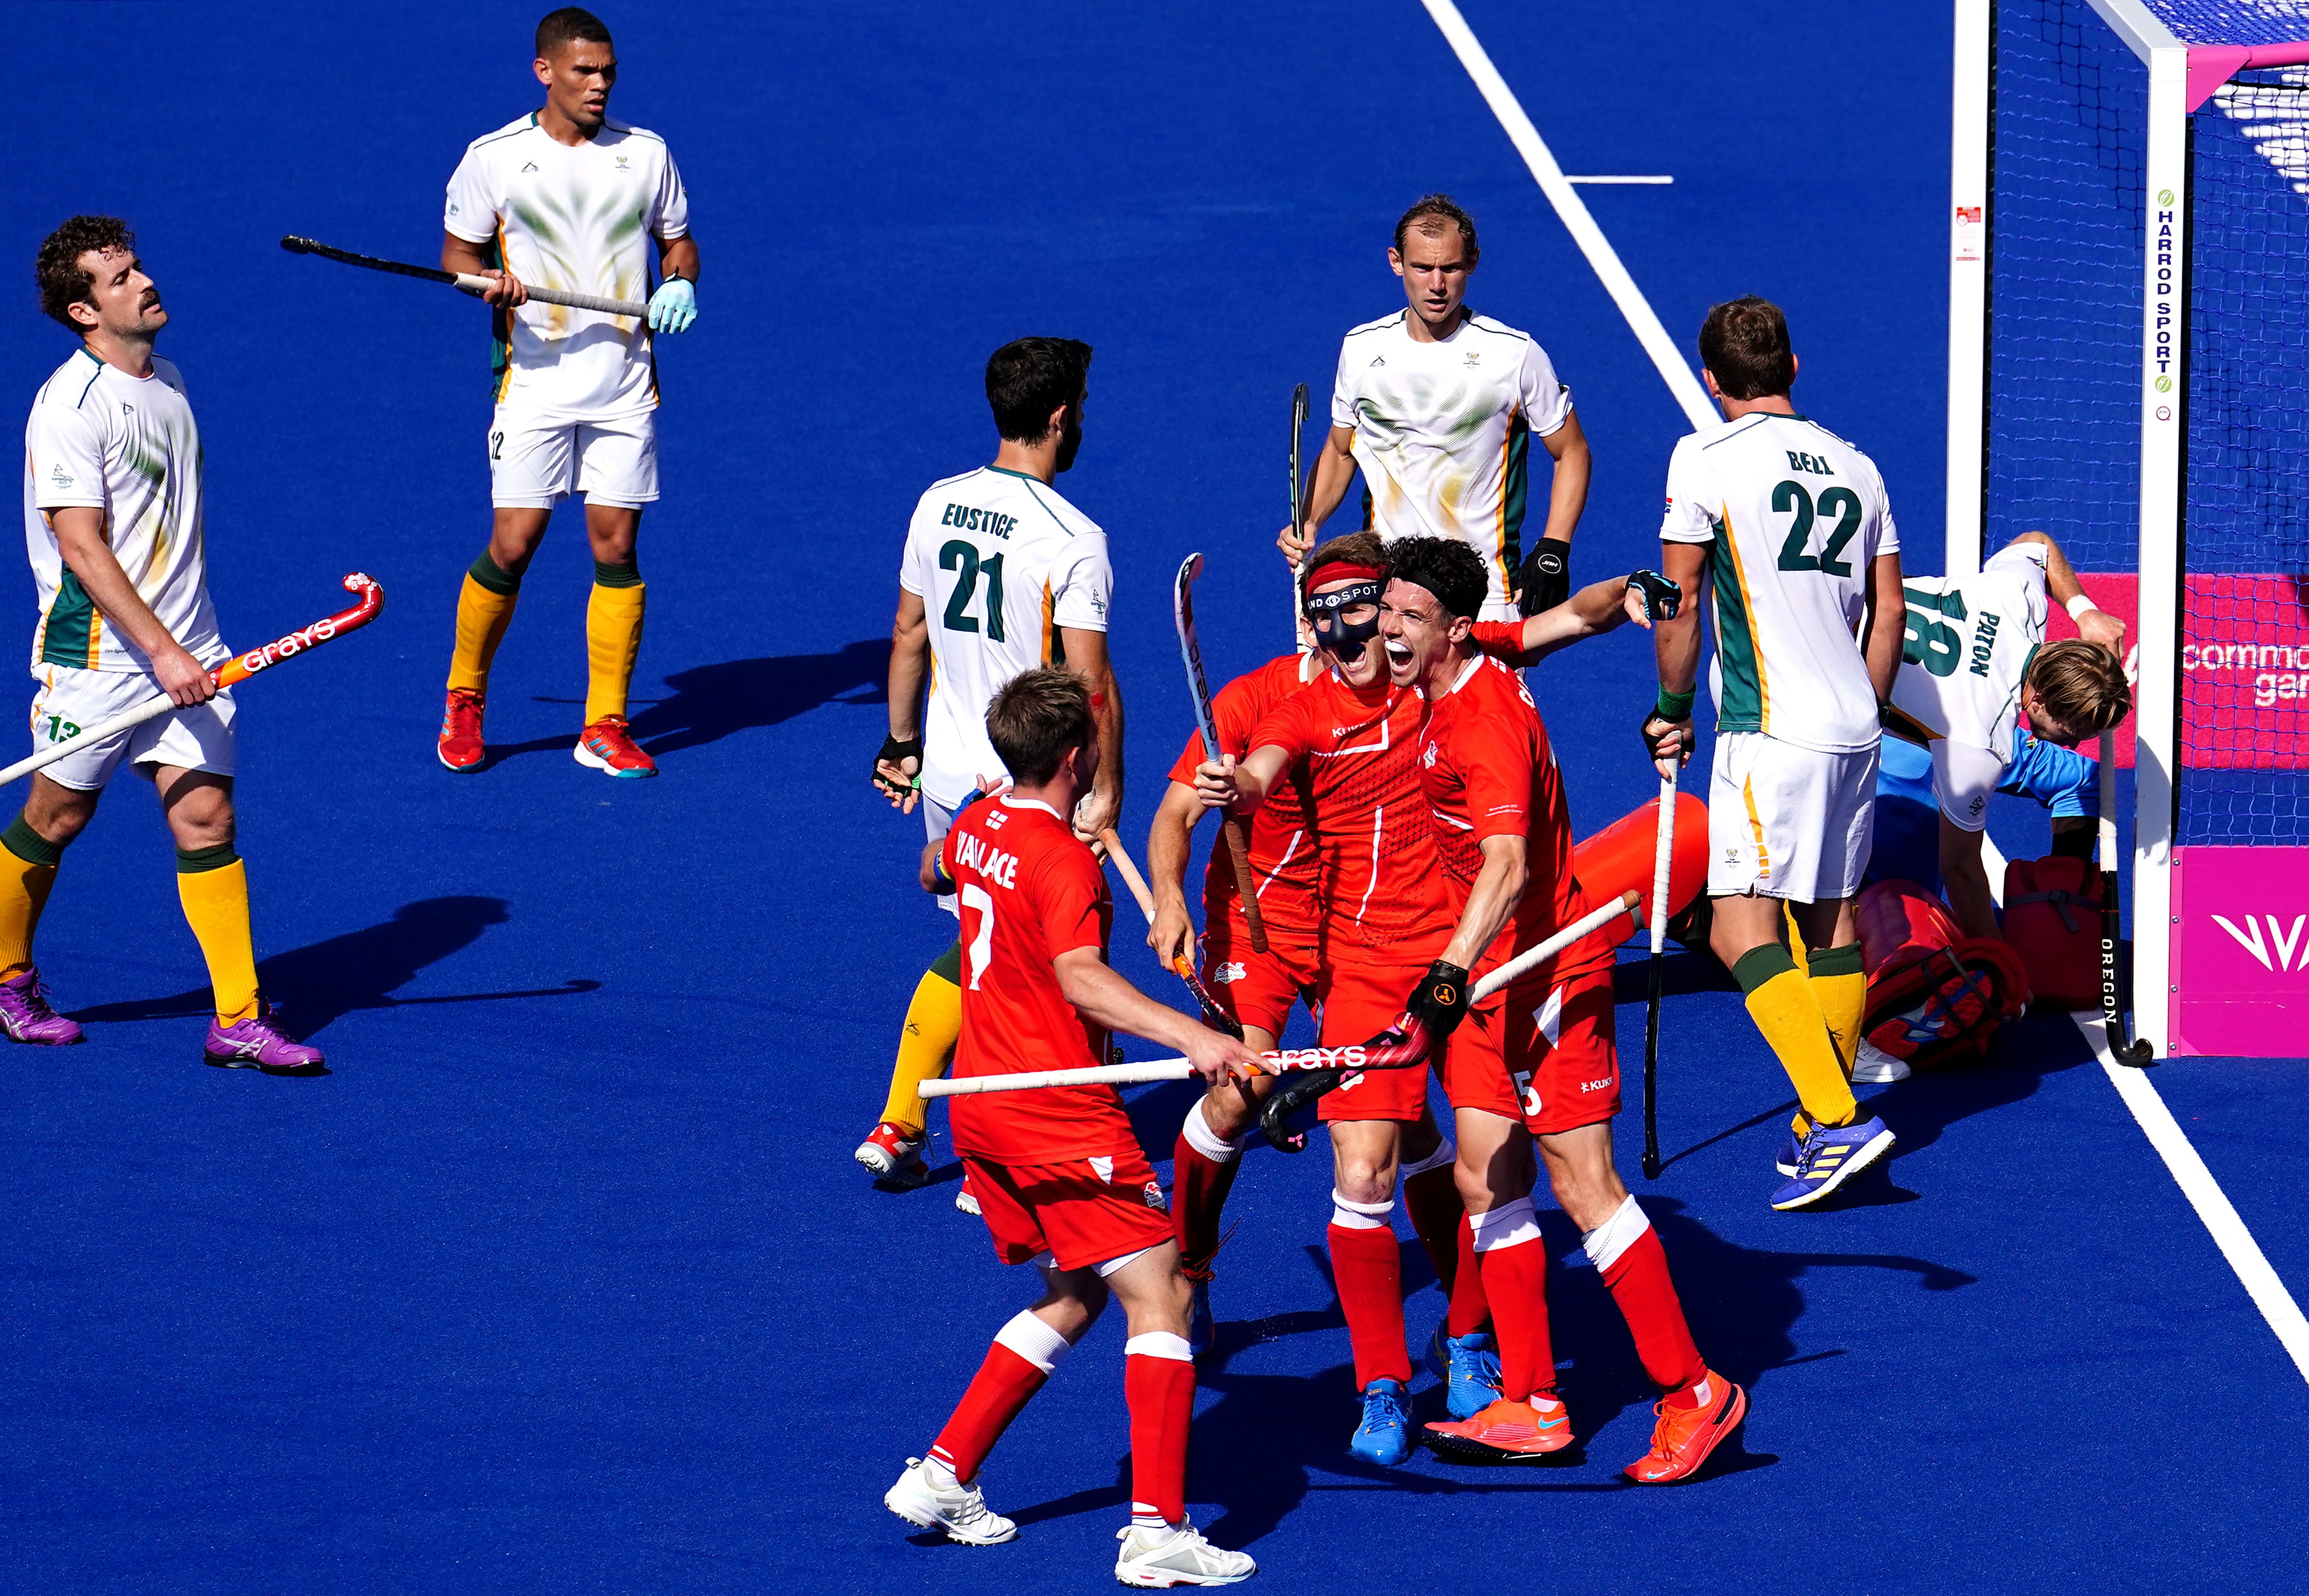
[(1786, 1011), (212, 885), (613, 637), (926, 1042)]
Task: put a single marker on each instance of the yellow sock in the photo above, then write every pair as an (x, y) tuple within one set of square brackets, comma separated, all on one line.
[(28, 870), (484, 610), (1785, 1009), (215, 896), (1841, 985), (613, 637), (926, 1046)]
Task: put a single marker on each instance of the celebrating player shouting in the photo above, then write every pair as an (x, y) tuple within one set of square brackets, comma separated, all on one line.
[(1062, 1180), (1537, 1061), (1437, 406), (113, 515), (567, 198), (1790, 526)]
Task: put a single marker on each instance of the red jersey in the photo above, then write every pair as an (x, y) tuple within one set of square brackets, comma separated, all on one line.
[(1356, 751), (1501, 640), (1029, 892), (1488, 771), (1283, 831)]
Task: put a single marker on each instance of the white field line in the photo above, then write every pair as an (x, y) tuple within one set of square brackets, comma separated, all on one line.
[(2188, 1170), (1574, 179), (1573, 212)]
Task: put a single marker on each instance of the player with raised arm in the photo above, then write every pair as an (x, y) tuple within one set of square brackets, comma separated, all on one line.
[(1437, 407), (1062, 1181), (1790, 528), (113, 513), (1346, 741), (1535, 1064), (1974, 664), (568, 198), (1000, 574)]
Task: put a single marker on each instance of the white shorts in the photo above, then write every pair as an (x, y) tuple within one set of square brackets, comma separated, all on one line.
[(936, 821), (1784, 822), (533, 465), (68, 701)]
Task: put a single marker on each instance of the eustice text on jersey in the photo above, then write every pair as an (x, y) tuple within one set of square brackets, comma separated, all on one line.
[(992, 522)]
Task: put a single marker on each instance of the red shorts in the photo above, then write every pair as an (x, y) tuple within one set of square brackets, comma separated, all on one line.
[(1258, 988), (1082, 1213), (1363, 996), (1543, 1056)]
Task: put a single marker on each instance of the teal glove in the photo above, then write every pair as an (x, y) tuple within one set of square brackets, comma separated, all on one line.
[(673, 307)]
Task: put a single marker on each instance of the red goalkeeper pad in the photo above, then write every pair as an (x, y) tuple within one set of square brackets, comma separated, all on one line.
[(1934, 996), (1618, 859), (2052, 915)]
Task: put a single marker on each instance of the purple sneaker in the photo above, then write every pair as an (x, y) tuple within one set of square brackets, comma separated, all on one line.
[(26, 1016), (259, 1044)]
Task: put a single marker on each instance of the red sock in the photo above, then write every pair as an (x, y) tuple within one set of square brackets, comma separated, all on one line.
[(1470, 1309), (1634, 1266), (1367, 1267), (1513, 1259), (1158, 1380), (1004, 1384), (1432, 1199), (1199, 1193)]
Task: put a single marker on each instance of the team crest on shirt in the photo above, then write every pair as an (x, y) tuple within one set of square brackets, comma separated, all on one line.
[(60, 477), (1154, 1198), (620, 161), (1231, 971), (1473, 356)]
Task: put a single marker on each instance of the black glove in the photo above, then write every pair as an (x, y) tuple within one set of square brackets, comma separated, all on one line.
[(1545, 579), (1661, 598), (1440, 1001), (1656, 727), (895, 752), (1292, 1095)]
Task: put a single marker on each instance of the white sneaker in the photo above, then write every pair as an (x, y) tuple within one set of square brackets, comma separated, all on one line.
[(961, 1512), (1184, 1559), (965, 1201), (1876, 1068)]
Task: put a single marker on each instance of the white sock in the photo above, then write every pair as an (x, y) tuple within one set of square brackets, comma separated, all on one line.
[(1156, 1529), (938, 1476)]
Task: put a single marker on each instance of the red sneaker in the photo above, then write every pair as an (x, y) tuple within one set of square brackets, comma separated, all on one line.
[(1506, 1430), (460, 747), (1684, 1437), (607, 744)]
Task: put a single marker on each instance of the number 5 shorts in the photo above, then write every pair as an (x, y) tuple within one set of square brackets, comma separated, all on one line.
[(534, 464), (1788, 822), (68, 701), (1540, 1053)]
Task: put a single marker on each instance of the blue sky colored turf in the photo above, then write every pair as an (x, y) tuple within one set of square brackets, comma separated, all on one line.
[(564, 1280)]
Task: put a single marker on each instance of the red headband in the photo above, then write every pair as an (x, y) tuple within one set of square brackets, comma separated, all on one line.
[(1344, 571)]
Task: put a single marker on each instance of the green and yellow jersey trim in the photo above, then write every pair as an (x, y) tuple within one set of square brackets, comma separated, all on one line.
[(1747, 704)]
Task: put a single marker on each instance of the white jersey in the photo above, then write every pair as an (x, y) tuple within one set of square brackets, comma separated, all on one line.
[(580, 217), (1443, 432), (101, 439), (1795, 514), (1970, 639), (1000, 562)]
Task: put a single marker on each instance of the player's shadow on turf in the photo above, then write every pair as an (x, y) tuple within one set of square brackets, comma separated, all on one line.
[(1687, 970), (2019, 1057), (360, 969), (710, 701)]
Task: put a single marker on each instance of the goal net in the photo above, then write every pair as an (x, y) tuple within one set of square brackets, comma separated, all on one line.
[(2128, 371)]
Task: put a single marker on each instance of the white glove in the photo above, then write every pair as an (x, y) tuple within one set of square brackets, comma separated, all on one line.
[(673, 307)]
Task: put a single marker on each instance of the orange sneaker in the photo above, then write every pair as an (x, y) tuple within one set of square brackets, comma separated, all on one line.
[(608, 744), (460, 747), (1506, 1430), (1684, 1437)]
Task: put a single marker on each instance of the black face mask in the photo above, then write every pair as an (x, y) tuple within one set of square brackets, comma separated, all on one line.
[(1326, 612)]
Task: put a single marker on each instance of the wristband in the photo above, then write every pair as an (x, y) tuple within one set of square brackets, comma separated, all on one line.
[(2079, 605), (1674, 707)]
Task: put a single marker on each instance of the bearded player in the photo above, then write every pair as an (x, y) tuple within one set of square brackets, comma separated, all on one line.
[(1062, 1181), (567, 198), (1437, 407), (1534, 1065), (113, 513), (1348, 738)]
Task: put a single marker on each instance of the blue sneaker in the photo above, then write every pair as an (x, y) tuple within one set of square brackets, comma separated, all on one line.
[(1788, 1156), (1202, 1330), (1384, 1436), (1469, 1367), (1830, 1156)]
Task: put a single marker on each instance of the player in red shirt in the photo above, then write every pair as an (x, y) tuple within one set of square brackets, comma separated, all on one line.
[(1345, 741), (1534, 1063), (1062, 1181)]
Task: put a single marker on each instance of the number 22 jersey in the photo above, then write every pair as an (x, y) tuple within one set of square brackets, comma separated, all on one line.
[(1000, 562)]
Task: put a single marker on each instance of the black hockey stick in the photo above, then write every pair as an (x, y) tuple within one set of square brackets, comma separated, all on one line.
[(1299, 627), (468, 282), (1663, 857), (2135, 1053)]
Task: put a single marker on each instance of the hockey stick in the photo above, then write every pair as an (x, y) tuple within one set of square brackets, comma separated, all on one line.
[(1185, 967), (1404, 1045), (235, 670), (1663, 856), (2137, 1053), (468, 282), (1299, 626), (1182, 610)]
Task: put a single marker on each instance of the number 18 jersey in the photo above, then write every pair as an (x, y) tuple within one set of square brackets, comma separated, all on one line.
[(1000, 562), (1795, 515)]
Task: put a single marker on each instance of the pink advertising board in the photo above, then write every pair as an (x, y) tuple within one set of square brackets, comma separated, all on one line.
[(2240, 951)]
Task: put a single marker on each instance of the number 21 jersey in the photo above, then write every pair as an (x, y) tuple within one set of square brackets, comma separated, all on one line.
[(1795, 515), (1000, 562)]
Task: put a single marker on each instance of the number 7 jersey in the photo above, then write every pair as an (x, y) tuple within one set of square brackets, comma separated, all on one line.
[(1795, 515), (1000, 562)]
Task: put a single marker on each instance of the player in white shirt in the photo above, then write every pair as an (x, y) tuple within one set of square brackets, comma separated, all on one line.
[(1437, 407), (112, 522), (1789, 526), (567, 198), (1975, 665), (1000, 575)]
